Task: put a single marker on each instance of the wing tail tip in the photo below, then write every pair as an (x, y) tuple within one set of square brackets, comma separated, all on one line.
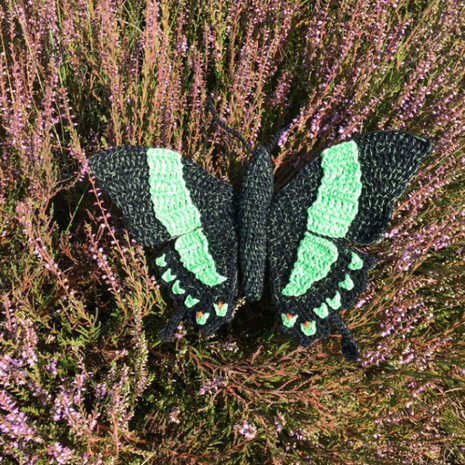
[(348, 344), (167, 333), (349, 348)]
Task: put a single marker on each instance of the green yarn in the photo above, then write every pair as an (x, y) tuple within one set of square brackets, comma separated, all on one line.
[(201, 318), (321, 311), (289, 322), (220, 311), (347, 283), (356, 263), (335, 302), (160, 261), (190, 301), (167, 276), (339, 191), (177, 288), (310, 330), (193, 250), (175, 210), (315, 256), (171, 200)]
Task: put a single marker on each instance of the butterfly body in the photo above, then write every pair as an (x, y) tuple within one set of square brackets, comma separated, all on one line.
[(303, 230), (255, 197)]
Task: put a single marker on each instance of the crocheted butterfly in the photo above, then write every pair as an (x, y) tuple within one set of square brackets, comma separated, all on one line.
[(211, 232)]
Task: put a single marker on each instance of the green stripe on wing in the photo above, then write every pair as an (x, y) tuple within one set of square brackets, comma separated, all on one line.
[(171, 200), (339, 191), (175, 210), (315, 256)]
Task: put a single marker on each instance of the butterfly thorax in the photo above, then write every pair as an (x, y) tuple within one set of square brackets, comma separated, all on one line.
[(254, 202)]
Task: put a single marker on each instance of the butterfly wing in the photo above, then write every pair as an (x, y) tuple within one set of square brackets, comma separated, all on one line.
[(166, 198), (348, 193)]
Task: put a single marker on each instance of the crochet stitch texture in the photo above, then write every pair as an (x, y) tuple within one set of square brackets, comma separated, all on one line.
[(303, 230)]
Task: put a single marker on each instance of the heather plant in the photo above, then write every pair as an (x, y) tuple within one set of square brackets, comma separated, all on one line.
[(84, 376)]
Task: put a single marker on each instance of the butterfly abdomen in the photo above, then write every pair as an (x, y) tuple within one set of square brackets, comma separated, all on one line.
[(254, 202)]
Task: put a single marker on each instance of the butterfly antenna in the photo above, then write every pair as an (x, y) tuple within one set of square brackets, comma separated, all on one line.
[(225, 127)]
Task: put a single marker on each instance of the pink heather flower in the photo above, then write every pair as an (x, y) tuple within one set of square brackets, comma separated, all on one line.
[(174, 415), (232, 347), (181, 332), (60, 454), (249, 431), (212, 385)]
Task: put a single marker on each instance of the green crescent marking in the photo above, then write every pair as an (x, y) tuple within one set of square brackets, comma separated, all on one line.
[(191, 301), (177, 288), (175, 210), (356, 262), (160, 261), (335, 302), (347, 283), (315, 256), (221, 311), (202, 319), (321, 311), (310, 330), (167, 276), (337, 200), (289, 323)]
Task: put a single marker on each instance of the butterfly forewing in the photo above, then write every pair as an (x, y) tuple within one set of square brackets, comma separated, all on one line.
[(360, 181)]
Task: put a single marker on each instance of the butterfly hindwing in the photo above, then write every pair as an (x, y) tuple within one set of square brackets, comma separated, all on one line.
[(314, 281), (206, 307), (167, 198)]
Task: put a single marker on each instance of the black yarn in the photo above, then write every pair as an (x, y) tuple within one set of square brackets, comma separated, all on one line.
[(254, 202), (348, 344), (123, 174), (389, 159), (224, 126), (274, 139)]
